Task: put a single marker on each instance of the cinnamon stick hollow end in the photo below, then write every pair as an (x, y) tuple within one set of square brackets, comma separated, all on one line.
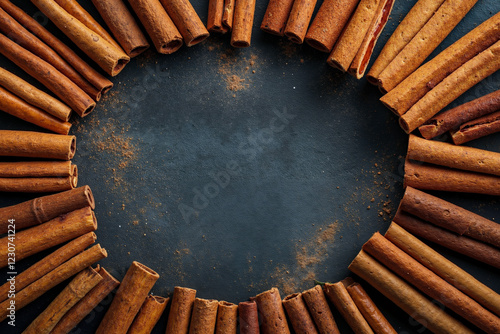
[(242, 23), (180, 310), (271, 310), (298, 314), (477, 128), (37, 145), (227, 318), (186, 20), (299, 19), (276, 16)]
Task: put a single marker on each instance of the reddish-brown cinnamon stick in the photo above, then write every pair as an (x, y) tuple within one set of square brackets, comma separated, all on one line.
[(328, 23), (53, 278), (276, 16), (180, 310), (204, 316), (43, 209), (78, 312), (37, 169), (186, 20), (128, 299), (215, 15), (320, 311), (477, 128), (123, 26), (149, 314), (49, 234), (298, 314), (13, 105), (85, 281), (38, 184), (249, 317), (241, 35), (101, 83), (227, 16), (272, 313), (227, 318), (162, 31), (36, 145), (298, 21)]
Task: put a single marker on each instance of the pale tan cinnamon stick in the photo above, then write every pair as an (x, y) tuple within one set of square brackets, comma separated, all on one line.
[(149, 314), (186, 20), (36, 145)]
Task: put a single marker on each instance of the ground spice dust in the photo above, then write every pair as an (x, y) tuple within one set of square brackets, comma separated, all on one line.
[(236, 70)]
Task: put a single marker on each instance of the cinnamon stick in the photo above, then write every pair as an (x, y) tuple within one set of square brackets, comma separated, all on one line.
[(72, 293), (426, 77), (34, 96), (49, 76), (477, 128), (49, 263), (450, 216), (215, 15), (435, 30), (101, 83), (204, 316), (227, 318), (338, 295), (162, 31), (298, 314), (444, 268), (36, 145), (43, 209), (149, 314), (180, 310), (13, 105), (78, 312), (461, 244), (429, 283), (38, 184), (241, 35), (405, 296), (186, 20), (53, 278), (15, 31), (299, 19), (123, 26), (128, 299), (228, 15), (273, 319), (320, 311), (456, 117), (369, 310), (109, 57), (249, 317), (430, 177), (37, 169), (328, 23), (276, 17), (49, 234)]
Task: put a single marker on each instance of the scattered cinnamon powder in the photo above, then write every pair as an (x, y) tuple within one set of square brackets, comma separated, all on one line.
[(236, 70)]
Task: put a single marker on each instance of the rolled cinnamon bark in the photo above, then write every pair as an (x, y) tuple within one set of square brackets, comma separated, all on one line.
[(215, 14), (149, 314), (298, 314), (78, 312), (36, 145), (449, 14), (454, 118), (74, 9), (429, 283), (38, 184), (123, 26), (132, 292), (249, 317), (109, 57), (276, 16), (450, 216), (85, 281), (34, 96), (13, 105), (180, 310), (49, 76), (49, 263), (37, 169), (299, 19), (459, 157), (405, 296), (101, 83), (186, 20), (320, 311), (353, 35), (369, 310), (162, 31), (273, 319), (328, 23), (425, 78), (429, 177), (477, 128), (444, 268), (360, 63), (43, 209), (227, 318), (241, 35), (53, 278), (10, 27), (463, 245), (227, 16), (204, 316), (50, 234), (338, 295)]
